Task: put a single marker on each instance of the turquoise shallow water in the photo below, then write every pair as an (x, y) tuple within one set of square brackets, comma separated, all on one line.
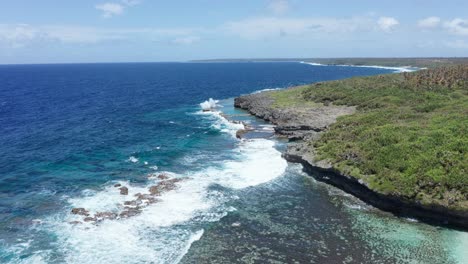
[(70, 132)]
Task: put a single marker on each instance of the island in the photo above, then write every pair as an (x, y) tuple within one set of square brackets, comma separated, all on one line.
[(397, 141)]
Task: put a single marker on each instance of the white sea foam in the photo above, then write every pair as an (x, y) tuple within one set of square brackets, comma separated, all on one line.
[(395, 69), (266, 90), (257, 155), (413, 220), (153, 236), (193, 238), (355, 206), (164, 231), (312, 63), (267, 127), (220, 123), (209, 104), (133, 159), (37, 258)]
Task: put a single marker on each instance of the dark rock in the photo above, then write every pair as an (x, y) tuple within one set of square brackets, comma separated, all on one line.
[(148, 198), (117, 185), (129, 212), (80, 211), (89, 219), (163, 176), (315, 117), (123, 190), (164, 186), (133, 203), (151, 200), (240, 133), (105, 215), (75, 222)]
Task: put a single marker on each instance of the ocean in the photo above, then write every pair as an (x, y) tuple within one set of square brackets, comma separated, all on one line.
[(72, 135)]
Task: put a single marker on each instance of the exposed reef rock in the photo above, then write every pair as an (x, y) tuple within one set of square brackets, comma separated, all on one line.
[(133, 207), (80, 211), (123, 190)]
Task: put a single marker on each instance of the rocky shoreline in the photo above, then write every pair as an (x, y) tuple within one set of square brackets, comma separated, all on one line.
[(302, 124)]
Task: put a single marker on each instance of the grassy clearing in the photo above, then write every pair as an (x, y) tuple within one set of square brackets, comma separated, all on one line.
[(409, 136), (291, 98)]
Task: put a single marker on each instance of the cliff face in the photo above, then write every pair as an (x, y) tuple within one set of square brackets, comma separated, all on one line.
[(304, 124)]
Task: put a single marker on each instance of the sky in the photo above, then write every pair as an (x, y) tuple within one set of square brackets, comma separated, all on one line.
[(66, 31)]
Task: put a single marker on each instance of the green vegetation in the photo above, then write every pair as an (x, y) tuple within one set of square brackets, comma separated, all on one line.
[(409, 136), (290, 97)]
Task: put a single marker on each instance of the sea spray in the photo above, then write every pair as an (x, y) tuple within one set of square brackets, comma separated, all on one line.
[(209, 104)]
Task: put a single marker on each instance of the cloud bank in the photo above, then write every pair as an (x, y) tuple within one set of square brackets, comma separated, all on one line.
[(388, 24), (279, 7), (429, 22), (457, 26), (110, 9)]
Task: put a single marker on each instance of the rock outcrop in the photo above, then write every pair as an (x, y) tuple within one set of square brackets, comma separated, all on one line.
[(133, 207), (295, 123), (123, 190)]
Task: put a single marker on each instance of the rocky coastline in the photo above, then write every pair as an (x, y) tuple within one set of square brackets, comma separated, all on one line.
[(302, 124)]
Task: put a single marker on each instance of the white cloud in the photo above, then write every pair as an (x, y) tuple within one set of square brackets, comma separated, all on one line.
[(270, 26), (131, 2), (457, 44), (17, 35), (457, 26), (265, 27), (429, 22), (387, 24), (20, 35), (110, 9), (278, 7), (187, 40)]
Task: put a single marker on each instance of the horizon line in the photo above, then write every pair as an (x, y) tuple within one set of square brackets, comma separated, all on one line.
[(270, 59)]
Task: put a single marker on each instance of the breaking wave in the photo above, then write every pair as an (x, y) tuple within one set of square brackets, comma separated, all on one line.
[(209, 104)]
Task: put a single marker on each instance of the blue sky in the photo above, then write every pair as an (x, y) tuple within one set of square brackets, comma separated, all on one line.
[(55, 31)]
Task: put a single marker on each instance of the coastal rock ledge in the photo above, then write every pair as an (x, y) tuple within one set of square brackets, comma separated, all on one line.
[(302, 124)]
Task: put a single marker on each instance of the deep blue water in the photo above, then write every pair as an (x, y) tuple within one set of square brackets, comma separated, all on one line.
[(69, 132)]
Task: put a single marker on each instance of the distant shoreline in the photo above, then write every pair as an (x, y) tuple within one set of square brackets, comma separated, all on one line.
[(396, 69), (428, 62)]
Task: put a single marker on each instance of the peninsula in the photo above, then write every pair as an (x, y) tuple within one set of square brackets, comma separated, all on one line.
[(398, 142)]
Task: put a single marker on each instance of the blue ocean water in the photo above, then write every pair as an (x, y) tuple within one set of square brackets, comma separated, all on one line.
[(69, 132)]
